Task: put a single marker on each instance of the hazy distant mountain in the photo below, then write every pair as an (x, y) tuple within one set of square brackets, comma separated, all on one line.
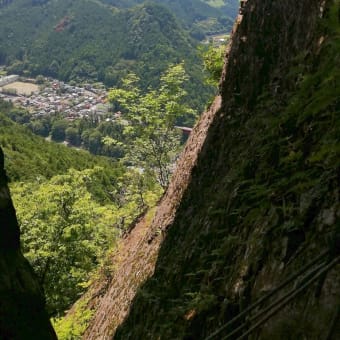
[(206, 16)]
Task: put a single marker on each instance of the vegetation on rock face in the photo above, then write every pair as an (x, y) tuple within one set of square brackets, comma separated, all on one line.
[(213, 59), (264, 194), (75, 326)]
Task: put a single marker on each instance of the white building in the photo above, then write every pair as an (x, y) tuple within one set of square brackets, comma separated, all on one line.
[(8, 79)]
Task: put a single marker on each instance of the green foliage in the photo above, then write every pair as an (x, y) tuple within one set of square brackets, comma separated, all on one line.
[(88, 132), (193, 12), (72, 136), (75, 325), (18, 115), (30, 157), (58, 130), (39, 127), (213, 58), (69, 218), (154, 141), (64, 233)]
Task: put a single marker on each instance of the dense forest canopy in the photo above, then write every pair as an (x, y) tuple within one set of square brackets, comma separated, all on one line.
[(210, 16)]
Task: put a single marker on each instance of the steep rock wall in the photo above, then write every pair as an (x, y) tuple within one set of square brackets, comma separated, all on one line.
[(22, 305), (263, 196)]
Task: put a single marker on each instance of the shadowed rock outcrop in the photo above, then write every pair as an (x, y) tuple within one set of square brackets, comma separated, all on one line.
[(22, 305), (262, 200)]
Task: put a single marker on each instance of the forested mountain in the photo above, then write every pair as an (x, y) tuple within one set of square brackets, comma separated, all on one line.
[(83, 39), (198, 16), (90, 40), (245, 242)]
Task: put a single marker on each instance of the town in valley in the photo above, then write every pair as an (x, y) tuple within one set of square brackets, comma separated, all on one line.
[(45, 96)]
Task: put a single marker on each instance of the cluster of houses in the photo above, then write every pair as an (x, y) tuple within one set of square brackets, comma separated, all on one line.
[(58, 97)]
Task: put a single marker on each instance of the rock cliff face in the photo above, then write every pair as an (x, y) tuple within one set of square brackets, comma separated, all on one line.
[(259, 215), (22, 313)]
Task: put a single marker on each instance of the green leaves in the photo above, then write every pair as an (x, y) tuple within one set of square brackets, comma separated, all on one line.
[(65, 233), (67, 230), (151, 121), (213, 59)]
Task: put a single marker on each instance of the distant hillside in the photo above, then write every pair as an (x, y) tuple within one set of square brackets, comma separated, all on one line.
[(204, 17), (88, 40), (200, 17), (29, 157)]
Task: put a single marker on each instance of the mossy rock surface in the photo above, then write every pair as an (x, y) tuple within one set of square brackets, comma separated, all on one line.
[(263, 199)]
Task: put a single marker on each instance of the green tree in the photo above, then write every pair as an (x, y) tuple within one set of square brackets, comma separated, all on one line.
[(58, 130), (95, 142), (65, 233), (213, 59), (39, 128), (72, 136), (40, 79), (19, 115), (151, 118)]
